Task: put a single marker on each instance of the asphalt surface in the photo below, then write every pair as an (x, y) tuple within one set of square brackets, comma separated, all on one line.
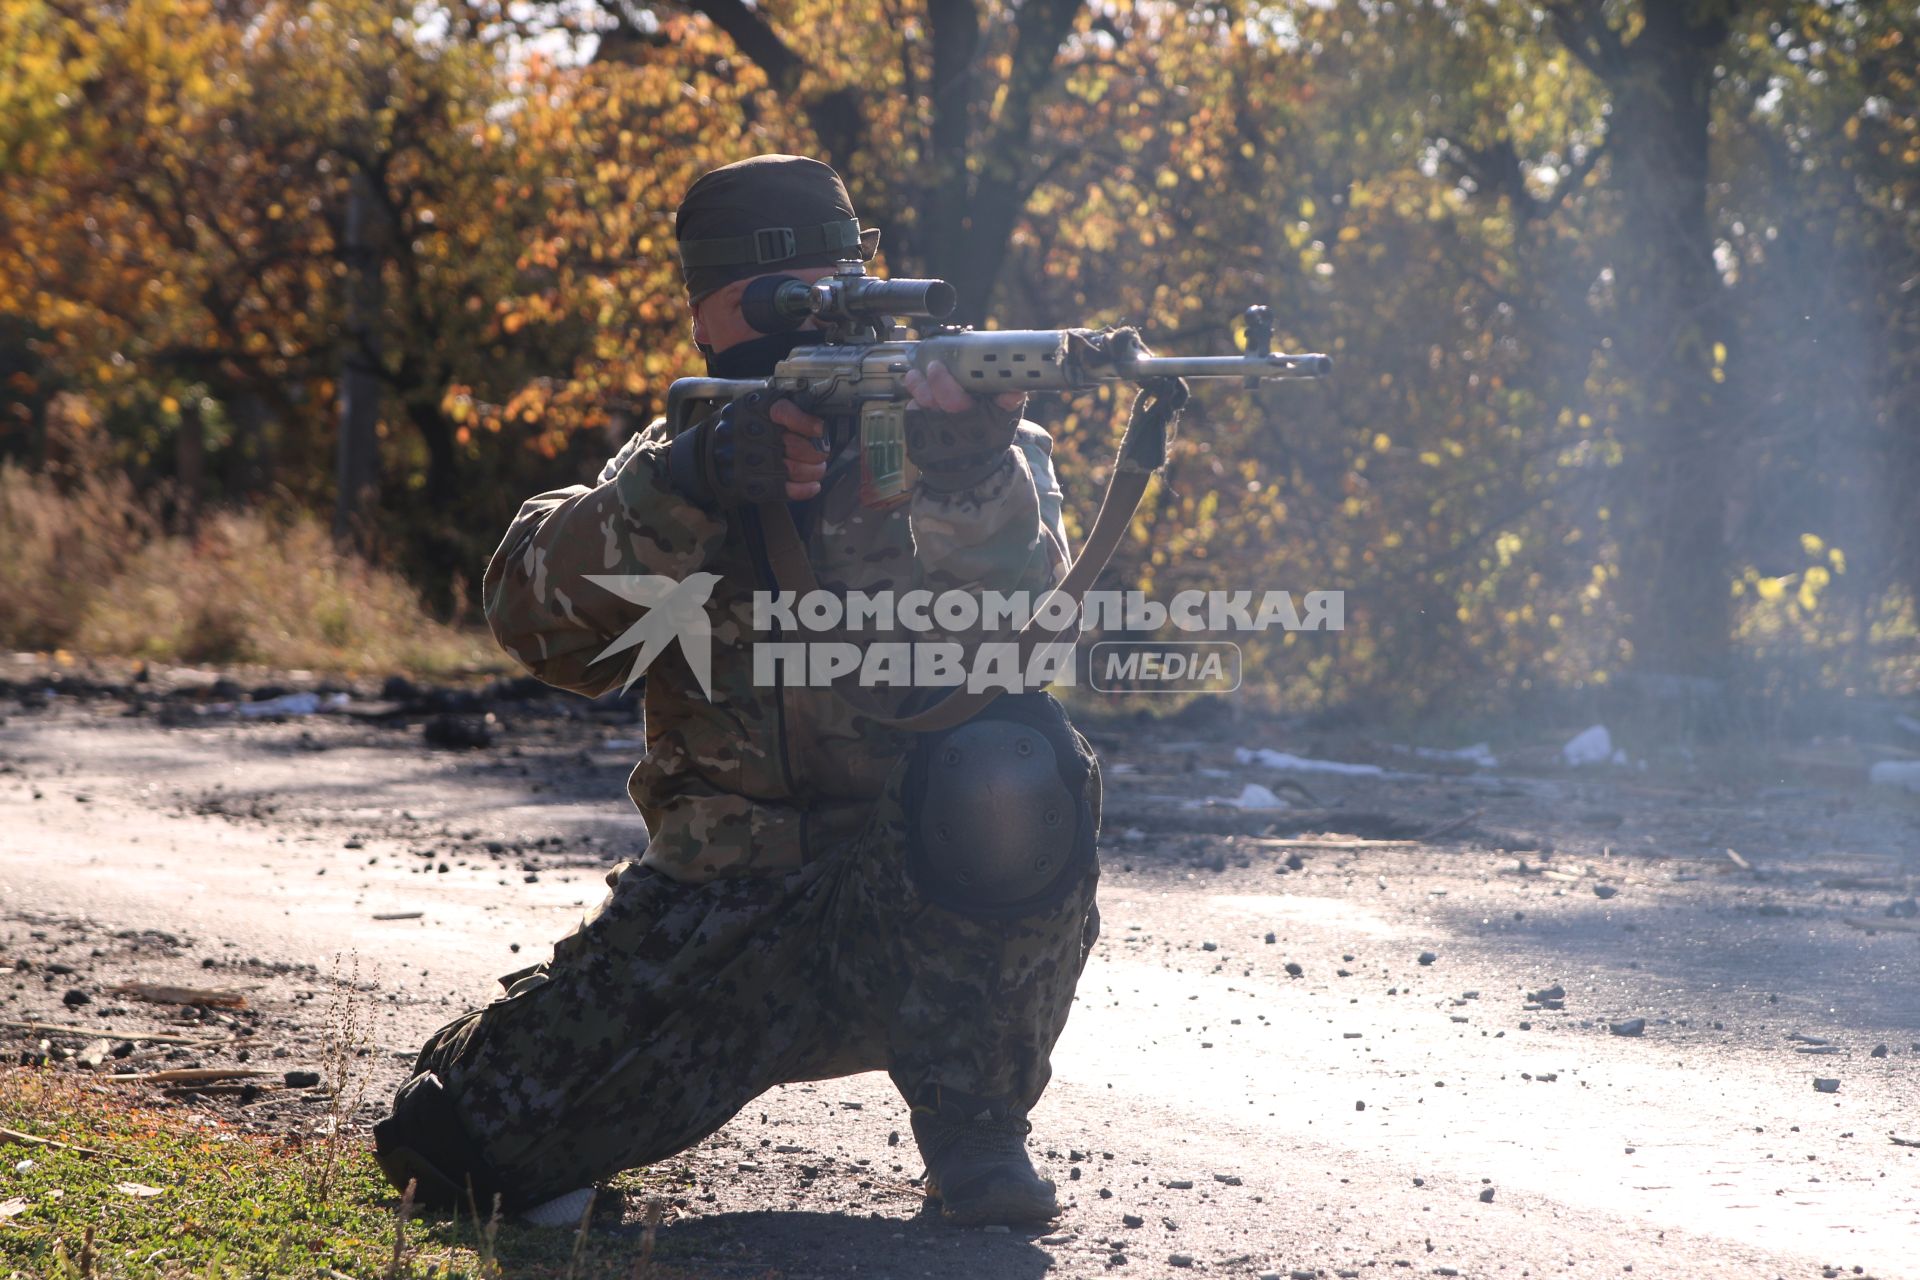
[(1262, 1076)]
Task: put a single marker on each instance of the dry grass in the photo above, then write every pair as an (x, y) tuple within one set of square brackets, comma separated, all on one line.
[(87, 567), (58, 546)]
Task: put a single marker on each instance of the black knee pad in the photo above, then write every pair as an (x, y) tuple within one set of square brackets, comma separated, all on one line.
[(998, 822)]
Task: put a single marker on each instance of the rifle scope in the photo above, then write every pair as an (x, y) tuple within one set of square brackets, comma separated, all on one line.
[(779, 304)]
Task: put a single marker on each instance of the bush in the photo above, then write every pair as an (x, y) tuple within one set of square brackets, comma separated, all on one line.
[(58, 548), (88, 567)]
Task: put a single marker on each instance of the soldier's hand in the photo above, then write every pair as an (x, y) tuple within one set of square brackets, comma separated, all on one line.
[(954, 438), (805, 443), (756, 449)]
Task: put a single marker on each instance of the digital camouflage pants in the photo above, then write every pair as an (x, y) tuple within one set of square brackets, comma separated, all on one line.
[(675, 1004)]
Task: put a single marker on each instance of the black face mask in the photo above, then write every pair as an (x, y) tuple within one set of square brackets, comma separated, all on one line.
[(756, 357)]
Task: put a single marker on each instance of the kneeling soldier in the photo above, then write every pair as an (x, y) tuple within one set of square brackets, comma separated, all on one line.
[(821, 894)]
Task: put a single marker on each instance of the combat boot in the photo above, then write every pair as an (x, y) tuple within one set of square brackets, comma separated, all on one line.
[(977, 1164)]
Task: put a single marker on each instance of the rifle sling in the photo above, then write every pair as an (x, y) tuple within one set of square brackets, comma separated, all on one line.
[(1143, 451)]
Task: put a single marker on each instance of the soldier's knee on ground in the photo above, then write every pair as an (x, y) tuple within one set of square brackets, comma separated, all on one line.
[(425, 1145), (1000, 810)]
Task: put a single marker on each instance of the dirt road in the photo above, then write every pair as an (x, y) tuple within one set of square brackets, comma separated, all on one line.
[(1330, 1068)]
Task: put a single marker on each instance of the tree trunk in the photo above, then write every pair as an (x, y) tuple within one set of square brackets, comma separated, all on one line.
[(190, 461), (1672, 510), (357, 458)]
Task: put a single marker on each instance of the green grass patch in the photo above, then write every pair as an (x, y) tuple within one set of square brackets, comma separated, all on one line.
[(163, 1194)]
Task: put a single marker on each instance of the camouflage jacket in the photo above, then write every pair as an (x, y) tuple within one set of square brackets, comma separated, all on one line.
[(755, 779)]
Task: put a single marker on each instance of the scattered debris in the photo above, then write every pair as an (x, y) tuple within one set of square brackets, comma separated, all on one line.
[(1896, 773), (1479, 755), (292, 704), (398, 915), (459, 733), (1448, 828), (137, 1189), (1300, 764), (1326, 842), (158, 993), (19, 1139), (1592, 746), (189, 1075), (1882, 923), (68, 1029), (1553, 997)]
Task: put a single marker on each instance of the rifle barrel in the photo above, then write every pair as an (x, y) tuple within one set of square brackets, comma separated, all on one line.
[(1271, 365)]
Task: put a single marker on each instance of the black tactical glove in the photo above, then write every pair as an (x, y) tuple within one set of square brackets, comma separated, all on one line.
[(735, 458), (956, 451)]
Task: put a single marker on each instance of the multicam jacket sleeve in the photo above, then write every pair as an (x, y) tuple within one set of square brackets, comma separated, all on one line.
[(1004, 534), (630, 521)]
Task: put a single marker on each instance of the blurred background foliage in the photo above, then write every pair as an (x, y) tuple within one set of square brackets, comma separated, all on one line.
[(1624, 295)]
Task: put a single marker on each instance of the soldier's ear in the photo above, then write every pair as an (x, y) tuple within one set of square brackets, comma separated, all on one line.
[(699, 323)]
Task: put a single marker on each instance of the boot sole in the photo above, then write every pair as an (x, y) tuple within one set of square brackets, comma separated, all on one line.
[(1001, 1206)]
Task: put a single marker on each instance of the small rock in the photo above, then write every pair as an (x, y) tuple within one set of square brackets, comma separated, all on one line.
[(1879, 1051), (1227, 1179), (1295, 971), (1604, 891), (1178, 1184), (1271, 939), (457, 733), (1427, 957), (1826, 1084), (302, 1079), (95, 1053), (75, 998), (1179, 1259), (1359, 1106), (1631, 1027), (1209, 946), (1132, 1220), (1486, 1195)]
